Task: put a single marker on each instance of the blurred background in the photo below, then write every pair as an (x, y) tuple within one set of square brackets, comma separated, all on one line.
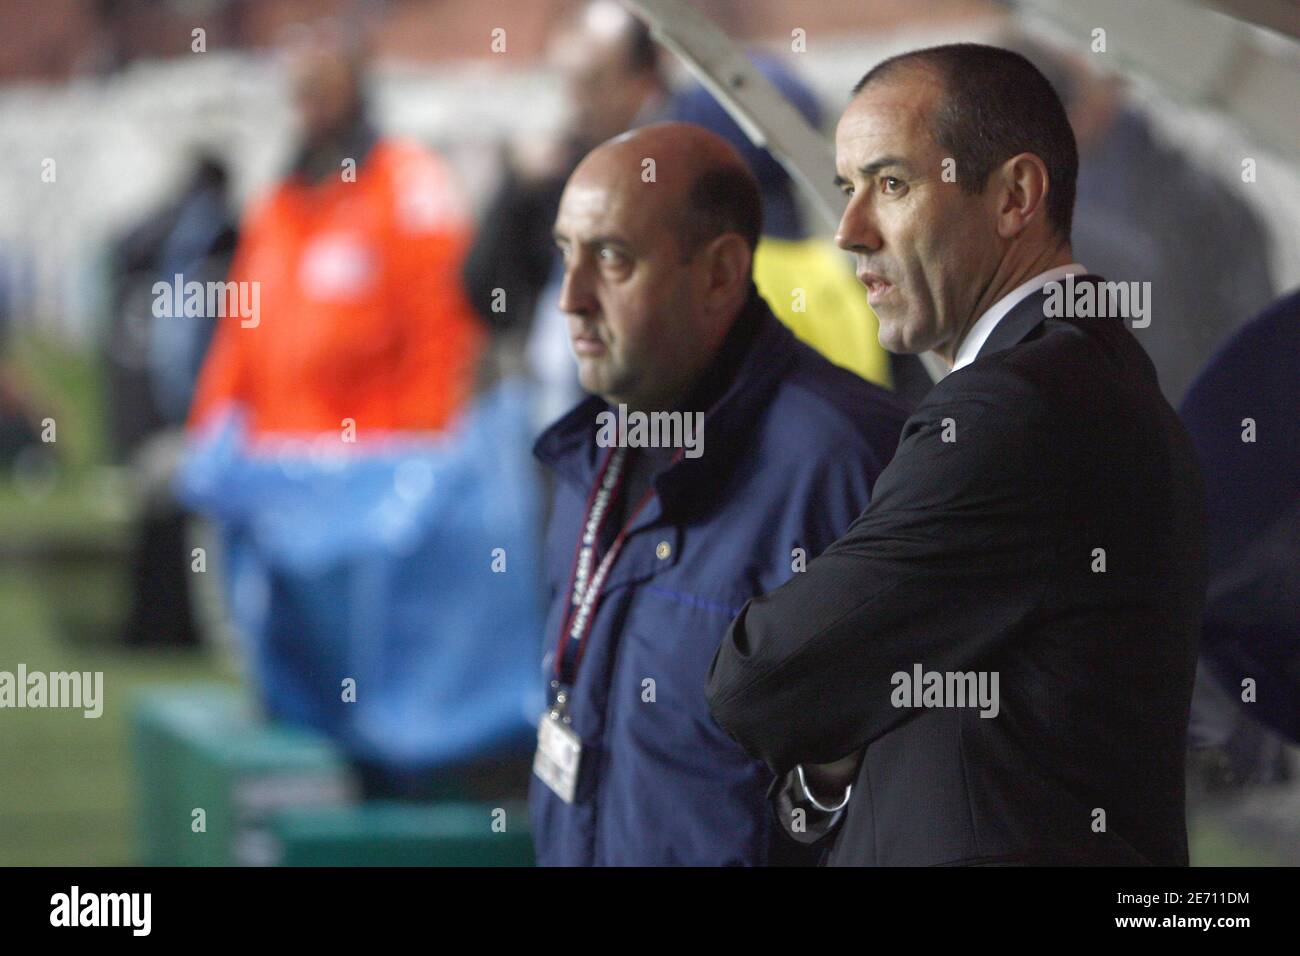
[(169, 513)]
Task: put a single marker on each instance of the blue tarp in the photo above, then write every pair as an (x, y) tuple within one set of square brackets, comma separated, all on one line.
[(375, 562)]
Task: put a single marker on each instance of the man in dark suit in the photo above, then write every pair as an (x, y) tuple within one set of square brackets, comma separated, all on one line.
[(995, 663)]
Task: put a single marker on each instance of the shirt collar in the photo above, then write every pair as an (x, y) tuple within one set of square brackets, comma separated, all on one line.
[(986, 323)]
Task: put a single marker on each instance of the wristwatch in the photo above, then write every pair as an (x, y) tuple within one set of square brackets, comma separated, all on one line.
[(804, 793)]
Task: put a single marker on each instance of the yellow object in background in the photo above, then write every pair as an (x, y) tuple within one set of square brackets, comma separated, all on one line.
[(812, 289)]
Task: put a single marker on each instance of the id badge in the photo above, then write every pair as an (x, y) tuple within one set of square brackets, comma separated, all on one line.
[(558, 751)]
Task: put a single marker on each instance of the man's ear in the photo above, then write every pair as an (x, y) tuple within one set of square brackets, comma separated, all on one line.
[(729, 262), (1022, 184)]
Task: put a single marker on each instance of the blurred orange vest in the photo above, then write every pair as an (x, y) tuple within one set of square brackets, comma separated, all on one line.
[(360, 313)]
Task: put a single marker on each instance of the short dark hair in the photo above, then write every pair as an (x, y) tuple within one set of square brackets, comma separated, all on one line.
[(723, 198), (996, 104)]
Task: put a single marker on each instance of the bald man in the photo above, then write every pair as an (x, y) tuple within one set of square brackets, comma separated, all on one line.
[(715, 455)]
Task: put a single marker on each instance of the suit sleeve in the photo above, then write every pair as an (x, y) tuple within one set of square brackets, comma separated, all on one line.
[(945, 565)]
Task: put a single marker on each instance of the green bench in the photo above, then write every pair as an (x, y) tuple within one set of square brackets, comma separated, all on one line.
[(273, 795)]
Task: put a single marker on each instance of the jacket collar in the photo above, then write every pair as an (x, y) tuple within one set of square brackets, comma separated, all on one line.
[(1024, 317), (734, 391)]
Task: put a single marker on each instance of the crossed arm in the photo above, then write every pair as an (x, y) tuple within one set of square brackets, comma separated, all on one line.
[(950, 558)]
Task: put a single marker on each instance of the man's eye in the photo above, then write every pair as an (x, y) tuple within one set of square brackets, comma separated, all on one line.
[(891, 184), (611, 257), (847, 190)]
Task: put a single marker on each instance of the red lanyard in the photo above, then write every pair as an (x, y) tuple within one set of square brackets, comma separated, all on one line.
[(584, 584)]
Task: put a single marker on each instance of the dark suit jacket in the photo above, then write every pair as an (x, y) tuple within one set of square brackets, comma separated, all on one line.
[(980, 553)]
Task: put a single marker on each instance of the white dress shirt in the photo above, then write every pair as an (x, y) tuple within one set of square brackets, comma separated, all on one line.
[(979, 332)]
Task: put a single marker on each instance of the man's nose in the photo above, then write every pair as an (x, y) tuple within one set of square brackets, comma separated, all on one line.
[(577, 296), (858, 231)]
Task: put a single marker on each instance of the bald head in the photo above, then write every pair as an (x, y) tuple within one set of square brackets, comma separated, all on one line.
[(658, 228), (701, 187)]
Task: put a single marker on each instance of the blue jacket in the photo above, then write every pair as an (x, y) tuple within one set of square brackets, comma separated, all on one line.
[(792, 448)]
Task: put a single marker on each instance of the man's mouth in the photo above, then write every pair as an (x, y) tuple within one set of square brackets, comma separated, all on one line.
[(877, 286), (588, 343)]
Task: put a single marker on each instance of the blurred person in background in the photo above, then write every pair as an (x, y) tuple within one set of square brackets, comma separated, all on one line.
[(612, 82), (663, 318), (149, 382), (19, 423), (363, 352), (198, 246), (1241, 414), (808, 283), (357, 255), (193, 238), (1148, 213)]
